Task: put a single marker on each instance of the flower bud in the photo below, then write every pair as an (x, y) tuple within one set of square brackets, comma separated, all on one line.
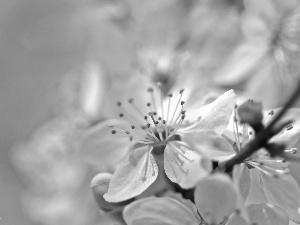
[(250, 112), (99, 186)]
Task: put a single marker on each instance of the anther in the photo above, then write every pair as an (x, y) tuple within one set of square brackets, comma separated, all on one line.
[(130, 100), (271, 112), (150, 90), (182, 102), (159, 118), (121, 114), (289, 127), (235, 106), (156, 122), (154, 113), (148, 104), (170, 95), (130, 138), (132, 127), (113, 132), (119, 104), (164, 122), (183, 112), (181, 91), (145, 117), (127, 132)]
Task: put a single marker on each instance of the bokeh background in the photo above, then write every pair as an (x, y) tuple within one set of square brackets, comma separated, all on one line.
[(45, 47)]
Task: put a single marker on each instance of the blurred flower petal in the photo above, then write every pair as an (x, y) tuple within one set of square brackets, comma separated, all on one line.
[(101, 148)]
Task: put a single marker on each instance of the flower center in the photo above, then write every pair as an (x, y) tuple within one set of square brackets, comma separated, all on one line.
[(156, 122)]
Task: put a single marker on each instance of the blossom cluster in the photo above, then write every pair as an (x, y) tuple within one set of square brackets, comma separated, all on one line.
[(181, 136)]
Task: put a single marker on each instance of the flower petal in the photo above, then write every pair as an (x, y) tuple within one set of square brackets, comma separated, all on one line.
[(162, 211), (265, 214), (216, 198), (213, 116), (256, 193), (283, 192), (184, 166), (209, 144), (133, 176), (101, 148), (241, 176), (244, 60)]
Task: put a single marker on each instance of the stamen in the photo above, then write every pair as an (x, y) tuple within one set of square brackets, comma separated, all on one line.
[(271, 113), (292, 150), (151, 91), (152, 117), (166, 127), (169, 104), (236, 129), (159, 85), (180, 113), (289, 127), (179, 100)]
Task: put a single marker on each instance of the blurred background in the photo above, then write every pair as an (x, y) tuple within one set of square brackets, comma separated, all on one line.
[(61, 60)]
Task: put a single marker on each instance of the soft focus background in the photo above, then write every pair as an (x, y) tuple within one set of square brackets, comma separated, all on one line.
[(47, 47)]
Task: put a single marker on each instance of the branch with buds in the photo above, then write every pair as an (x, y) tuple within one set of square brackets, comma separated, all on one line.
[(251, 113)]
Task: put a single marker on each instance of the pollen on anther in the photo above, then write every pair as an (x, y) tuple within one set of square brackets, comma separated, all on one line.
[(127, 132), (182, 102), (156, 122), (289, 127), (113, 131), (150, 89)]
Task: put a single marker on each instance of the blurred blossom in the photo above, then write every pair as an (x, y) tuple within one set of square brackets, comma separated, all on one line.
[(269, 53), (54, 173), (135, 106)]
